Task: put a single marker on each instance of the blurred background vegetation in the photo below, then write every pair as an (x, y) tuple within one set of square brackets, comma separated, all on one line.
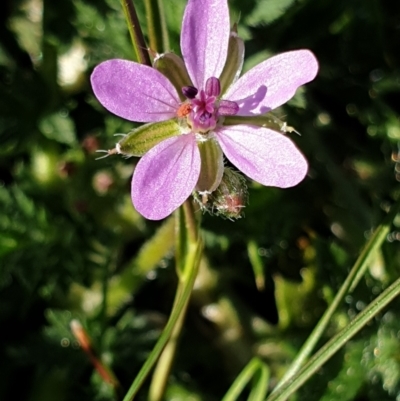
[(73, 247)]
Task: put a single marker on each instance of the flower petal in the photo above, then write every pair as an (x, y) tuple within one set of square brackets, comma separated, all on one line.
[(166, 176), (134, 91), (266, 156), (204, 39), (272, 82)]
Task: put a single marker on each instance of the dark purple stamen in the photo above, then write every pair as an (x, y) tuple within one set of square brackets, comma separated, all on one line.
[(189, 92)]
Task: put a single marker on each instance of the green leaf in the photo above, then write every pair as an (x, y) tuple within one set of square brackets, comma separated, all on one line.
[(266, 12), (153, 251), (59, 127), (256, 264)]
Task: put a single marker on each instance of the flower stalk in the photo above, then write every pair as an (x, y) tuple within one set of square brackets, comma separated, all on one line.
[(156, 25), (135, 31)]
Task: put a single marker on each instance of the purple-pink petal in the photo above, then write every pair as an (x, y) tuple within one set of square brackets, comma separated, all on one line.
[(272, 82), (266, 156), (134, 91), (166, 176), (204, 39)]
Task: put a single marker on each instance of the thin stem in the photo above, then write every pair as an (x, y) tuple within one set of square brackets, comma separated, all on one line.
[(85, 342), (249, 372), (139, 44), (338, 341), (164, 364), (187, 237), (190, 221), (192, 259), (156, 25), (351, 281)]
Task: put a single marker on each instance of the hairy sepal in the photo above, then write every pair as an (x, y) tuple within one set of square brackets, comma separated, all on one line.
[(141, 140), (173, 67), (234, 62)]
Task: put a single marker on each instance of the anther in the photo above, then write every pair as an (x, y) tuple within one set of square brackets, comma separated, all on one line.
[(189, 92)]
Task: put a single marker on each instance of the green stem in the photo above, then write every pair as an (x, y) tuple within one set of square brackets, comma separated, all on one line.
[(139, 44), (156, 25), (187, 237), (259, 389), (192, 264), (164, 364), (189, 265), (350, 283), (191, 224), (338, 341)]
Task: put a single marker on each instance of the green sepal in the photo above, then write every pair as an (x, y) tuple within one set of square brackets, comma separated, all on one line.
[(267, 120), (234, 62), (142, 139), (173, 67), (212, 166)]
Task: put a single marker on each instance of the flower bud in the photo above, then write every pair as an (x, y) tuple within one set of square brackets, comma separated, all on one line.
[(229, 199)]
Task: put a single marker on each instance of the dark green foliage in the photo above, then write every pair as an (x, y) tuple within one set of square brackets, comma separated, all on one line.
[(72, 246)]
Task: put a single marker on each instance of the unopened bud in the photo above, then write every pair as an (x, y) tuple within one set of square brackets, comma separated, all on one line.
[(229, 199)]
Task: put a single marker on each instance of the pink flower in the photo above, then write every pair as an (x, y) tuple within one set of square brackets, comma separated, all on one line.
[(169, 172)]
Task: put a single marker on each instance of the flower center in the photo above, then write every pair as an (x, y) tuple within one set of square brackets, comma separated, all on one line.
[(203, 108)]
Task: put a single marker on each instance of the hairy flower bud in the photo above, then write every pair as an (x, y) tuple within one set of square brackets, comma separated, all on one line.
[(229, 199)]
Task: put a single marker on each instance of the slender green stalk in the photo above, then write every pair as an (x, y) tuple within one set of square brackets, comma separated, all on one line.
[(256, 263), (192, 226), (350, 283), (338, 341), (164, 364), (257, 369), (192, 265), (156, 25), (373, 245), (85, 342), (186, 236), (139, 44)]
